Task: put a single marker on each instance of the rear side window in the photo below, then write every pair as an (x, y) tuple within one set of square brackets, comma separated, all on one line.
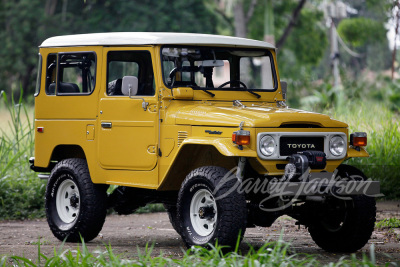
[(76, 73), (51, 74), (71, 73), (39, 75)]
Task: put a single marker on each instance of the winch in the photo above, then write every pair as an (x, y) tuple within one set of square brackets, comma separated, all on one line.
[(300, 162)]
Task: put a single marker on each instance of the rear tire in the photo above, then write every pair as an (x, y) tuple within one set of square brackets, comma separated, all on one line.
[(75, 206), (173, 216), (208, 214), (347, 224)]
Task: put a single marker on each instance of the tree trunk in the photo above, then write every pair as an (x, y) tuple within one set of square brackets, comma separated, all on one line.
[(241, 31), (50, 7), (269, 37), (292, 23), (397, 18), (26, 81), (269, 22), (240, 20)]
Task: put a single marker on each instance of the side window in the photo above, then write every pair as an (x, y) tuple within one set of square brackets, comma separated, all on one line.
[(51, 74), (39, 75), (130, 63), (76, 73)]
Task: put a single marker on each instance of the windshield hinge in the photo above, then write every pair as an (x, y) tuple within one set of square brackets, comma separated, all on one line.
[(281, 104), (237, 103)]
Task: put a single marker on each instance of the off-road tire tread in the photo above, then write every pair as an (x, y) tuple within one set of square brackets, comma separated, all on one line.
[(173, 216), (93, 202), (233, 224), (358, 229)]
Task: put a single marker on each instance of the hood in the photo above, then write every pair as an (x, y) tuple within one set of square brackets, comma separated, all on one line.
[(253, 116)]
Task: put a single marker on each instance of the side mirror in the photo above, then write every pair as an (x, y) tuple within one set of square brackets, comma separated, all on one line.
[(129, 85), (130, 88), (182, 93), (284, 89)]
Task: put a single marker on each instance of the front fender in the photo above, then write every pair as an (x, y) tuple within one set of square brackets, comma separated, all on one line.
[(225, 146), (353, 153)]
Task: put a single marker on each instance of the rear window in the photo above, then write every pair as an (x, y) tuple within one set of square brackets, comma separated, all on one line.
[(71, 73)]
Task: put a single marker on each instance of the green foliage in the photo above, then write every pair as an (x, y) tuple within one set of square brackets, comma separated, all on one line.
[(306, 44), (382, 127), (388, 223), (309, 38), (272, 253), (151, 208), (27, 23), (359, 31), (21, 192), (365, 106)]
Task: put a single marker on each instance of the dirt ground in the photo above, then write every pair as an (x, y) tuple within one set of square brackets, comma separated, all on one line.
[(128, 233)]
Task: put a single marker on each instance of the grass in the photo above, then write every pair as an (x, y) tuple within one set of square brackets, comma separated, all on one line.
[(383, 128), (388, 223), (272, 253), (21, 192)]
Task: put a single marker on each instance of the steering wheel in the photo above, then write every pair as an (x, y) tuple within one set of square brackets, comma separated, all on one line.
[(228, 82)]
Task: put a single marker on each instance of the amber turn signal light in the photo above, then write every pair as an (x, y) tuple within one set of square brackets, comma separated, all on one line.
[(241, 138), (358, 139)]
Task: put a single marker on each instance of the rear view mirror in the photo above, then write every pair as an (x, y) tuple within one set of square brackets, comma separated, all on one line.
[(213, 63), (284, 89)]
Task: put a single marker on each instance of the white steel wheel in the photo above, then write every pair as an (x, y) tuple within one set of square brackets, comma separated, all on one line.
[(68, 201), (203, 212), (75, 207), (209, 211)]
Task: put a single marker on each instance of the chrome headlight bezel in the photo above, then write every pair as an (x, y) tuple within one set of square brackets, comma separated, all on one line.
[(268, 145), (337, 145)]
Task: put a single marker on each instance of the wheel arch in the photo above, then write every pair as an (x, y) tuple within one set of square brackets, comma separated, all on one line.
[(190, 157), (61, 152)]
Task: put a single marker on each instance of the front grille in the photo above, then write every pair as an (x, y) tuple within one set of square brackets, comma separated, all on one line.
[(293, 144)]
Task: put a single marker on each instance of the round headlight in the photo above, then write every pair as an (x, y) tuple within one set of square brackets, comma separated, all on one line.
[(337, 145), (267, 145)]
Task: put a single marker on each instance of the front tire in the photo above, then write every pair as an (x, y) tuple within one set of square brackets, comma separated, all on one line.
[(209, 211), (75, 206), (346, 225)]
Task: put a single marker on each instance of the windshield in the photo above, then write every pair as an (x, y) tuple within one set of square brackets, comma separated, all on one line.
[(218, 68)]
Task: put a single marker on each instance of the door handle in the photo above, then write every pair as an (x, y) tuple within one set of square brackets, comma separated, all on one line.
[(106, 125)]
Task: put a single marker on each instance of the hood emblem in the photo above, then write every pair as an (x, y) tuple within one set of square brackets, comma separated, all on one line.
[(213, 132)]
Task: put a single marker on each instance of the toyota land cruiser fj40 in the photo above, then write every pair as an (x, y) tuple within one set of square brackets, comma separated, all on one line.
[(196, 122)]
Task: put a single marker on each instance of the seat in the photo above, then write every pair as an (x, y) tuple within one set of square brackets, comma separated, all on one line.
[(114, 87), (68, 88)]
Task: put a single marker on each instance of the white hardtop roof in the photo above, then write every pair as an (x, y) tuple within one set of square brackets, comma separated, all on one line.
[(150, 38)]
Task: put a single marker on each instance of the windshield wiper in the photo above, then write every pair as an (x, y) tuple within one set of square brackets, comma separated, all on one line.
[(251, 92), (208, 92)]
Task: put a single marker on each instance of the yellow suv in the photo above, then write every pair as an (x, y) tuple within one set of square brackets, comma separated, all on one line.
[(196, 122)]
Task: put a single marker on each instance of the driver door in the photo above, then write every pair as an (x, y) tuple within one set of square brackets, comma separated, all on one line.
[(128, 124)]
